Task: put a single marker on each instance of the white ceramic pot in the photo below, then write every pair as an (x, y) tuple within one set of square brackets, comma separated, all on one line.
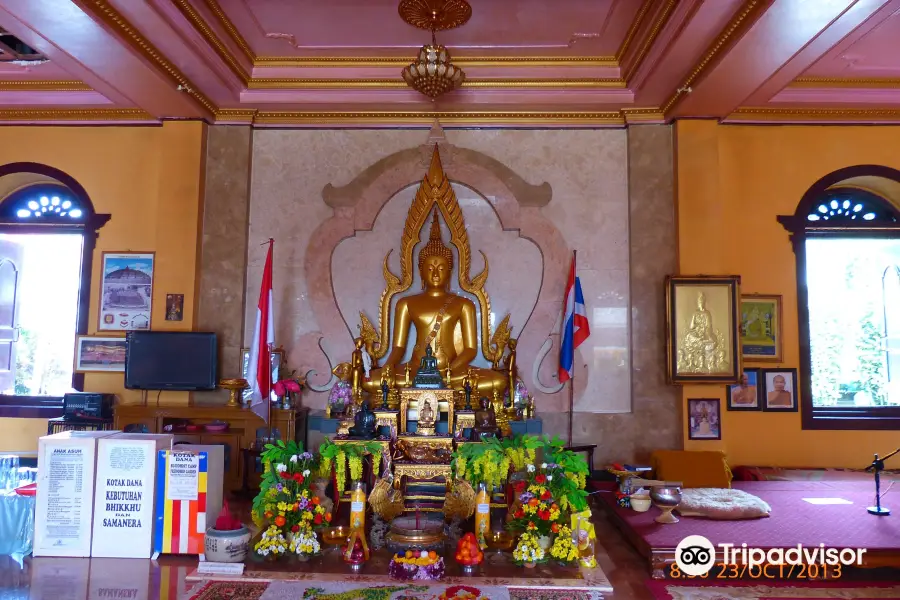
[(544, 542), (227, 546), (640, 503)]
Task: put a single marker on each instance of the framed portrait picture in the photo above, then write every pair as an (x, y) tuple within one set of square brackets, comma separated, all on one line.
[(761, 328), (702, 329), (174, 307), (126, 291), (277, 359), (781, 390), (99, 354), (745, 395), (704, 419)]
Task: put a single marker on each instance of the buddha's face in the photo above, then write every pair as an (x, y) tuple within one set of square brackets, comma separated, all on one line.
[(435, 272)]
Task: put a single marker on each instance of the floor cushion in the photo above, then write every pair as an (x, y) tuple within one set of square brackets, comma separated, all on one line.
[(722, 504), (694, 469)]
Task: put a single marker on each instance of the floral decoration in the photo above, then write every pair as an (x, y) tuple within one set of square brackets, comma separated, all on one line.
[(462, 592), (339, 456), (535, 509), (528, 550), (564, 549), (417, 566)]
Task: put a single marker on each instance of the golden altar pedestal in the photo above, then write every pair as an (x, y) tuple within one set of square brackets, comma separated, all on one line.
[(409, 406), (388, 418)]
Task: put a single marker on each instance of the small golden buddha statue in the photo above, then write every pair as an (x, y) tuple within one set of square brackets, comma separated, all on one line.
[(425, 425), (435, 314)]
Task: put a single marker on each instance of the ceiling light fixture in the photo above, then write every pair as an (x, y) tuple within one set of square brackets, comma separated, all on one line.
[(432, 73)]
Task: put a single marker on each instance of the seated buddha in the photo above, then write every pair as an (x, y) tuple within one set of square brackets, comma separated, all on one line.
[(435, 314)]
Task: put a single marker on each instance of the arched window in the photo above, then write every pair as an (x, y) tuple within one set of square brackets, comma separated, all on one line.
[(43, 204), (46, 219), (846, 239)]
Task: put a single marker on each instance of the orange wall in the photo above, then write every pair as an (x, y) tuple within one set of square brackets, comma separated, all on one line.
[(732, 183), (150, 180)]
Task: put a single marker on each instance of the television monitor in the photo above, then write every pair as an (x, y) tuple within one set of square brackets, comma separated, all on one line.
[(170, 360)]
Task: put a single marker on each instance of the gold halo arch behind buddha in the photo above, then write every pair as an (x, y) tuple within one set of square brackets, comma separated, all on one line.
[(436, 313), (435, 15)]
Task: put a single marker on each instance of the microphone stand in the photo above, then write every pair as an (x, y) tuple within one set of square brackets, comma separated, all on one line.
[(878, 466)]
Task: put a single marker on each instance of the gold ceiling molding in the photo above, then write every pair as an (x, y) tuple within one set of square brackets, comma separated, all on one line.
[(18, 85), (200, 25), (846, 82), (424, 118), (260, 83), (75, 114), (643, 115), (230, 29), (633, 28), (116, 21), (814, 114), (651, 37), (745, 17)]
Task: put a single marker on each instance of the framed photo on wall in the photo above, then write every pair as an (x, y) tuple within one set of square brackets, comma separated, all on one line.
[(704, 419), (702, 329), (746, 394), (126, 291), (781, 390), (99, 354), (761, 328), (277, 360)]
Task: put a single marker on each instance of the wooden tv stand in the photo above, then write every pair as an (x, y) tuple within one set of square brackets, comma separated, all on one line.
[(242, 430)]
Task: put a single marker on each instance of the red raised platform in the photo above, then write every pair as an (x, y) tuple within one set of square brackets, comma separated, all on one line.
[(793, 521)]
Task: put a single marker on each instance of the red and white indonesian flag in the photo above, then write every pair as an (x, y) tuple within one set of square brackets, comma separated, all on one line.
[(260, 369)]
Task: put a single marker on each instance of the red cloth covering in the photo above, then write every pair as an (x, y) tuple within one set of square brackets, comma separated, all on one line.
[(793, 521)]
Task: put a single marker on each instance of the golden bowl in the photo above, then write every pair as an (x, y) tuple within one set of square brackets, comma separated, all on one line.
[(336, 536), (500, 540)]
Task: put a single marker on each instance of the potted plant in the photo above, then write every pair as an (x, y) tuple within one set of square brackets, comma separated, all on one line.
[(486, 463)]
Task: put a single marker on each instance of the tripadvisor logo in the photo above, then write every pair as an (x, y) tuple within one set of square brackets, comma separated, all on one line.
[(695, 556)]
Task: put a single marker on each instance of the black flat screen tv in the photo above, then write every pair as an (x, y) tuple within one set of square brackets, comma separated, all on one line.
[(170, 360)]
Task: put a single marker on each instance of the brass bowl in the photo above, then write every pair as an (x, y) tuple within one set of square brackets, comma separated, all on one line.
[(502, 541), (336, 536)]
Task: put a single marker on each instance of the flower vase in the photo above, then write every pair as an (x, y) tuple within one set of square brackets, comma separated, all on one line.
[(544, 542), (529, 565)]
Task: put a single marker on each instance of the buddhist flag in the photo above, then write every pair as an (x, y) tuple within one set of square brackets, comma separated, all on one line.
[(260, 370), (576, 327)]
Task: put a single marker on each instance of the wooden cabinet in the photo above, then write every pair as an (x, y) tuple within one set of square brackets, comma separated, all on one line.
[(241, 433)]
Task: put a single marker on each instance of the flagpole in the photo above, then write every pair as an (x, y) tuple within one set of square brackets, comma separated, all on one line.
[(269, 354), (572, 378)]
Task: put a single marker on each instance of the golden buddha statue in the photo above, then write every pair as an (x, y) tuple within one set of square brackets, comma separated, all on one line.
[(702, 346), (436, 313)]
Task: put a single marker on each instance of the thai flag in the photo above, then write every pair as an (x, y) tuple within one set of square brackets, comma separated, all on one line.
[(260, 368), (576, 327)]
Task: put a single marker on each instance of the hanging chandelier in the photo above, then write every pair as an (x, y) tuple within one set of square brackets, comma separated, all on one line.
[(432, 73)]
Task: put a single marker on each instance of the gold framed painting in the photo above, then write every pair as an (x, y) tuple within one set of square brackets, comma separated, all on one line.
[(702, 319), (761, 327)]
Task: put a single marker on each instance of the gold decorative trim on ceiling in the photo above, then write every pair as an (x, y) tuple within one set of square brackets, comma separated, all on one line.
[(864, 115), (633, 28), (261, 83), (651, 37), (75, 114), (744, 18), (427, 118), (17, 85), (846, 82), (201, 26), (113, 19)]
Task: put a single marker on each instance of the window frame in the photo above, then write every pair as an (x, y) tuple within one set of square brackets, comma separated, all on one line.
[(88, 226), (801, 230)]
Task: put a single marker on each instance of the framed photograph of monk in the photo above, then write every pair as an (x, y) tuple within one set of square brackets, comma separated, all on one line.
[(761, 328), (781, 390), (702, 318), (704, 419), (745, 395)]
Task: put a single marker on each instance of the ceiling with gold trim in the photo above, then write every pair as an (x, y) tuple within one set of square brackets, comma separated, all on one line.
[(534, 63)]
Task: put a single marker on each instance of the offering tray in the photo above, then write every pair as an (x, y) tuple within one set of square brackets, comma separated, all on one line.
[(410, 533)]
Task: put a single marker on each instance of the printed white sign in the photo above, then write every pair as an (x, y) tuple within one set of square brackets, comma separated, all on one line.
[(183, 476)]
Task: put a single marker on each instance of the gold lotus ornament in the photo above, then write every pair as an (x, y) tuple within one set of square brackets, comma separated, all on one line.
[(432, 73)]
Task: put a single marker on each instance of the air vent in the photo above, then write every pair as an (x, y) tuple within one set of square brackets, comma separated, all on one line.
[(12, 49)]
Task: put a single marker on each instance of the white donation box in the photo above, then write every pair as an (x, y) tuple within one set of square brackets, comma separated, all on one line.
[(124, 496), (64, 505)]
